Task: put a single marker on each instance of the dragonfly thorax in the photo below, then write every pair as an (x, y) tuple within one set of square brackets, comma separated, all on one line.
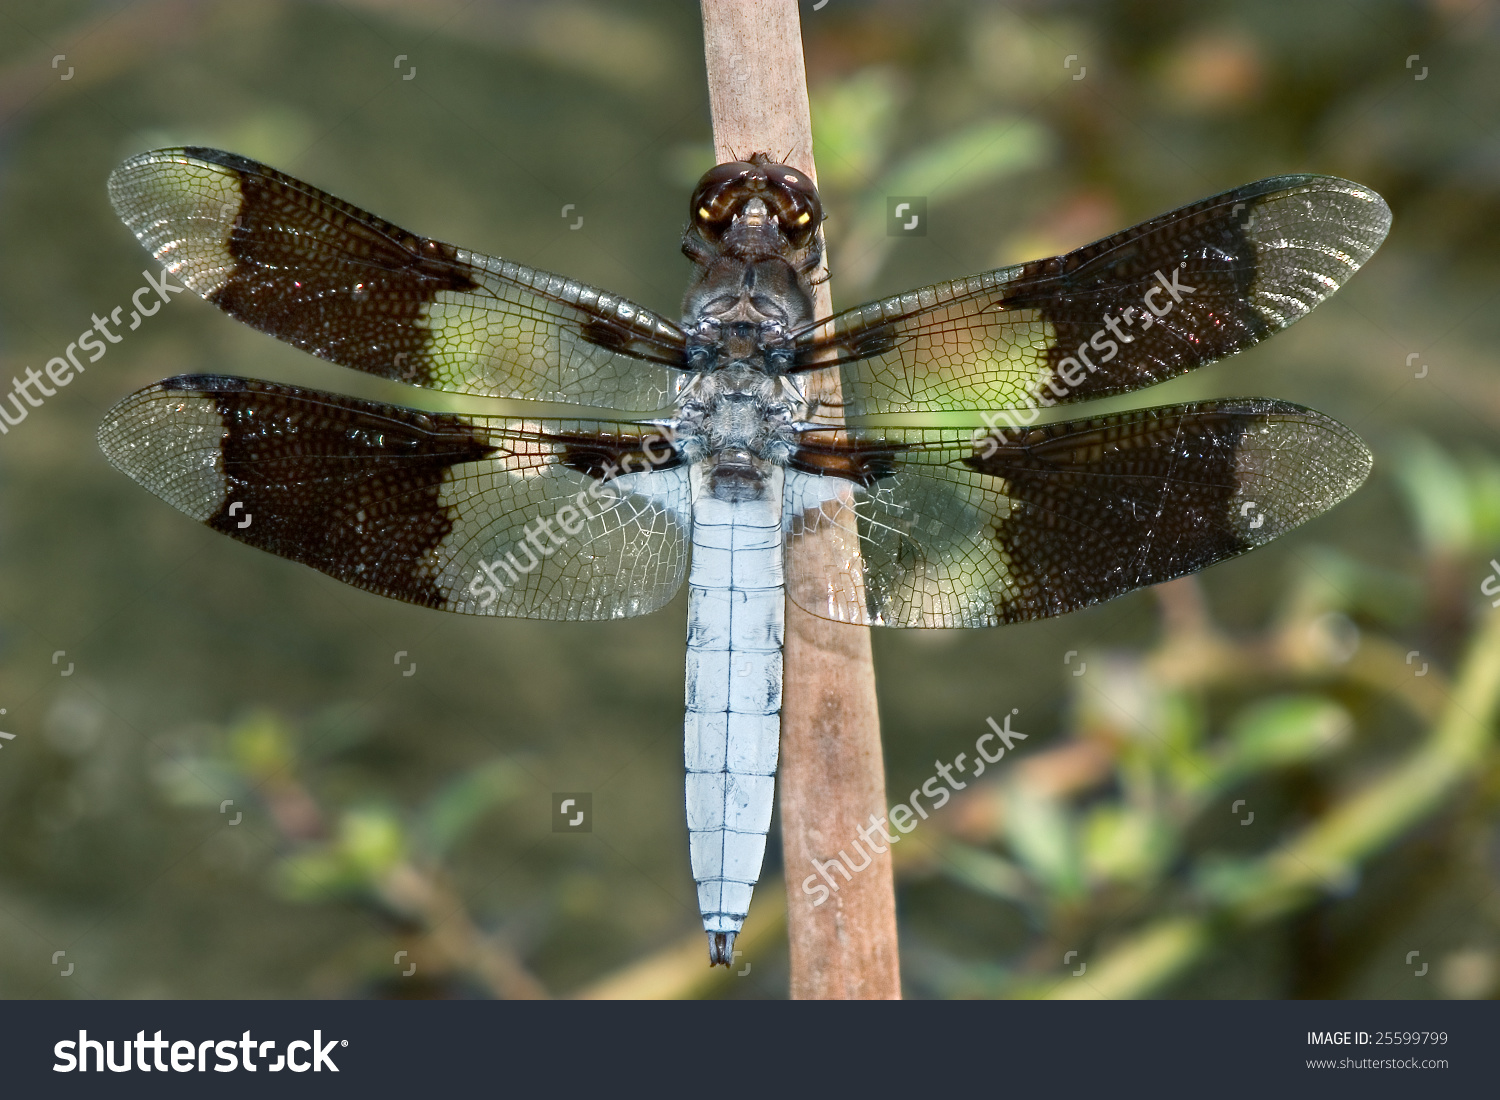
[(739, 411), (744, 314)]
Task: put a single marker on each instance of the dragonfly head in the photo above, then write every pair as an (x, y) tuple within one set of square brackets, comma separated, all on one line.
[(755, 199)]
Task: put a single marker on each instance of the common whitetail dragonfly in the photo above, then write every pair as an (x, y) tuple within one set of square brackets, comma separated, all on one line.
[(724, 446)]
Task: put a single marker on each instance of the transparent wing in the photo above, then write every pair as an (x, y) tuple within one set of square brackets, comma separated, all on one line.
[(1134, 309), (331, 279), (954, 531), (480, 516)]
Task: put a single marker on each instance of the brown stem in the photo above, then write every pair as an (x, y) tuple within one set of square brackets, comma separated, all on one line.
[(832, 773), (453, 940)]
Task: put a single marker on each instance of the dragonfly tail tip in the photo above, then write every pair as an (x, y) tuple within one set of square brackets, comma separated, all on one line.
[(720, 948)]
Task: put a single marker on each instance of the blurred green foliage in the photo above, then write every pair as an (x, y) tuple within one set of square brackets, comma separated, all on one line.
[(1107, 841)]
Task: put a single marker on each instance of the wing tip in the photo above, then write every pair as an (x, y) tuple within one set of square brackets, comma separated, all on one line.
[(1376, 220), (1332, 463)]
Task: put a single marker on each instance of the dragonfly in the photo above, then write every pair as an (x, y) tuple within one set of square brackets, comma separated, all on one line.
[(719, 448)]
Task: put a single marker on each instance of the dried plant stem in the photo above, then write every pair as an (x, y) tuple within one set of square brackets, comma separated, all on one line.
[(832, 776), (452, 939)]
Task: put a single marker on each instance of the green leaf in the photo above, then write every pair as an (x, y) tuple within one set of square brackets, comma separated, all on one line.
[(453, 811), (1284, 730), (1125, 845), (1436, 491), (371, 840), (984, 872), (967, 159), (369, 843), (1178, 751), (1228, 880), (262, 744), (316, 876), (1041, 835), (852, 120), (1484, 481)]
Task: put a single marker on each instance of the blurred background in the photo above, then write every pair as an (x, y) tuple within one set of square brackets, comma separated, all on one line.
[(1278, 779)]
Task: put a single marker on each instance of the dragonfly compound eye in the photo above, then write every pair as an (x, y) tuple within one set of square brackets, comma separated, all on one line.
[(726, 190)]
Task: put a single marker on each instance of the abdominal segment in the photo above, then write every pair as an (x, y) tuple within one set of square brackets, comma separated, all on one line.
[(736, 609)]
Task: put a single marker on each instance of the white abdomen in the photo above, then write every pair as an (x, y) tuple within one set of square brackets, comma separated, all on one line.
[(736, 611)]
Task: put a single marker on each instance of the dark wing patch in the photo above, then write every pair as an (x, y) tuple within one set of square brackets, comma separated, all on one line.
[(475, 515), (1015, 526), (859, 461), (371, 319), (343, 486), (605, 456), (1134, 309), (349, 287)]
